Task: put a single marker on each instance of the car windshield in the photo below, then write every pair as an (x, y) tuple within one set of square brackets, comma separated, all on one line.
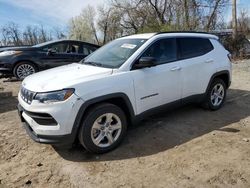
[(115, 53)]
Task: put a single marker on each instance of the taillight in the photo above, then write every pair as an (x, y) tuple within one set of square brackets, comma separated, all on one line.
[(230, 57)]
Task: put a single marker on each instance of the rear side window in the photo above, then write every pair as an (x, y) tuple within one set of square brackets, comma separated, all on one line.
[(87, 49), (62, 47), (193, 47), (74, 48)]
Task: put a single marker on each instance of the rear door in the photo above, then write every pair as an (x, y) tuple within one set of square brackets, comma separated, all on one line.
[(197, 62), (76, 51), (80, 50)]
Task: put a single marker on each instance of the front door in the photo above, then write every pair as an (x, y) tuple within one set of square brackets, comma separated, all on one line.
[(161, 84), (59, 54)]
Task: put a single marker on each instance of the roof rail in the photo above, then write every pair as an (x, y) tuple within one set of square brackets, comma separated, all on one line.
[(198, 32)]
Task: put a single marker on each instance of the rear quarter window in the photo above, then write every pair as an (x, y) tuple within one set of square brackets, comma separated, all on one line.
[(193, 47)]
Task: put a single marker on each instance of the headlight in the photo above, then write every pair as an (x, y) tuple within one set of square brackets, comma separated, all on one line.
[(54, 96), (11, 52)]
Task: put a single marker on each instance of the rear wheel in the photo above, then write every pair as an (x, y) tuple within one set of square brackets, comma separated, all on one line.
[(24, 69), (103, 128), (216, 95)]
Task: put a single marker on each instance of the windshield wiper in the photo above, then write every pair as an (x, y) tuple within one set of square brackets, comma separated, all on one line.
[(93, 63)]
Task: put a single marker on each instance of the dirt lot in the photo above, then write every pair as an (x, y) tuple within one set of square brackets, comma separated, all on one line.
[(188, 147)]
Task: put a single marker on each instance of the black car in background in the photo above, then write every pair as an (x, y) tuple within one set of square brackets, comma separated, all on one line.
[(23, 61)]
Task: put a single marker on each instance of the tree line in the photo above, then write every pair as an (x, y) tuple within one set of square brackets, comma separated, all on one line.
[(124, 17), (13, 35)]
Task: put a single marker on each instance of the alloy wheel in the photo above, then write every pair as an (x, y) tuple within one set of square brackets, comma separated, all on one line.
[(24, 70), (106, 130), (217, 94)]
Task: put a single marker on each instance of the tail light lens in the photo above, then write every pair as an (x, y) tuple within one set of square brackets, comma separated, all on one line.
[(230, 57)]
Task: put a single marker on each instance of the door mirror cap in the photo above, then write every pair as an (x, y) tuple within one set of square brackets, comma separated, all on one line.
[(51, 51), (145, 62)]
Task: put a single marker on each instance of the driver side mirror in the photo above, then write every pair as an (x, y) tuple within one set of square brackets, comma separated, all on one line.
[(145, 62), (51, 51)]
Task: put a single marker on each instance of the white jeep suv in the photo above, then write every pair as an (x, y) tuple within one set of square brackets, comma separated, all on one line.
[(95, 100)]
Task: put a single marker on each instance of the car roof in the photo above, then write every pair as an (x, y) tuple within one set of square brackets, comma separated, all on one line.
[(173, 34), (63, 40), (140, 36), (70, 40)]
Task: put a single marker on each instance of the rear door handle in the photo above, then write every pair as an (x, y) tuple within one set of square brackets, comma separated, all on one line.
[(209, 61), (176, 69)]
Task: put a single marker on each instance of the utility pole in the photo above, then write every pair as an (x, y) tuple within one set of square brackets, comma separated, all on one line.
[(234, 19)]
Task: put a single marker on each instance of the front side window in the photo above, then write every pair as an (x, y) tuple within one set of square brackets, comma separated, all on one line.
[(193, 47), (60, 47), (163, 51), (115, 53)]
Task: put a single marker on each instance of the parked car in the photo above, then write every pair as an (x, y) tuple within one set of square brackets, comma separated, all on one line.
[(120, 83), (24, 61)]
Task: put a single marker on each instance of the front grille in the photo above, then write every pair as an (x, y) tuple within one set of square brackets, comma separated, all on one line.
[(27, 95)]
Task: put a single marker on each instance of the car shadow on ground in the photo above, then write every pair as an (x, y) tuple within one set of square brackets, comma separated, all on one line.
[(171, 128), (7, 102)]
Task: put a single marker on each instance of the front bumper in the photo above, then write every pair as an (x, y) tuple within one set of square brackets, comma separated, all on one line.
[(6, 66), (64, 115), (46, 139), (6, 71)]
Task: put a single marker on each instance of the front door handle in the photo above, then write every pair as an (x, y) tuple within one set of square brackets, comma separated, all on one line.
[(176, 69), (209, 61)]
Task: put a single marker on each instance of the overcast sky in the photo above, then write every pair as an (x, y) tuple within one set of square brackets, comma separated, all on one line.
[(56, 13)]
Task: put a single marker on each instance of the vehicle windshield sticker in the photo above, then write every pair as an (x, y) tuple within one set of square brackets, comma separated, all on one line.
[(130, 46)]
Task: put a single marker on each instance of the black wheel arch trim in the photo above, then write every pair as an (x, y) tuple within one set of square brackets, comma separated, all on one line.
[(216, 75), (88, 103), (26, 60)]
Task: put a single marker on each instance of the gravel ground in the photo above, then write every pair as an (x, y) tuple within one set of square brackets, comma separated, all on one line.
[(186, 147)]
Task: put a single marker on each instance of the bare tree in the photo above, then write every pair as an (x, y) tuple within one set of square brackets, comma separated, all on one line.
[(83, 27), (123, 17), (134, 15), (244, 22), (109, 23), (59, 33), (160, 8), (11, 34), (30, 36)]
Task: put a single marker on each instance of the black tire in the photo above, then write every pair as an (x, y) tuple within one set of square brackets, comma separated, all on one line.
[(86, 136), (209, 102), (31, 69)]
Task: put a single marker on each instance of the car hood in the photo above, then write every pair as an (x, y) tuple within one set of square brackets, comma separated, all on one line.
[(63, 77), (19, 48)]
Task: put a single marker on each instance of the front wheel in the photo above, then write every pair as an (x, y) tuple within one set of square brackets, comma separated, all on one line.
[(216, 95), (103, 128), (24, 69)]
